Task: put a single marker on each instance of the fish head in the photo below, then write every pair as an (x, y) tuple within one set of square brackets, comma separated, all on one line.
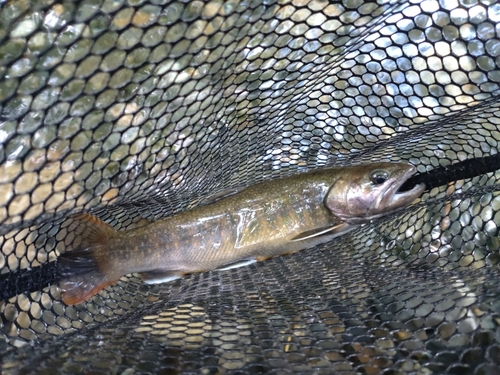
[(366, 192)]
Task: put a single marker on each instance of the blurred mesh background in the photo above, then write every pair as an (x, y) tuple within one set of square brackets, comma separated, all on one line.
[(140, 109)]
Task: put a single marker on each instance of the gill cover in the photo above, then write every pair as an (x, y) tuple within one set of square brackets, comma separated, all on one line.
[(369, 191)]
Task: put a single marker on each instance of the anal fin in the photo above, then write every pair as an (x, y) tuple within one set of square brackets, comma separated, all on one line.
[(335, 230), (237, 264), (160, 276)]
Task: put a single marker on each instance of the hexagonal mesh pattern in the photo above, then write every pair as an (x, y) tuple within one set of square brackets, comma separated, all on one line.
[(141, 109)]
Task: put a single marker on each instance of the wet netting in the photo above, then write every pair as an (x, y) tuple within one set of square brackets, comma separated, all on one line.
[(133, 109)]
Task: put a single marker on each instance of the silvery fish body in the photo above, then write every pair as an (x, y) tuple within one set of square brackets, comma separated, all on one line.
[(272, 218)]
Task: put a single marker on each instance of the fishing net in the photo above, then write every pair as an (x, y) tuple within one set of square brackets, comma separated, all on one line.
[(141, 109)]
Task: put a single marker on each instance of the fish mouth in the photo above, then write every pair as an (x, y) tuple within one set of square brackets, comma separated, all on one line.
[(395, 197)]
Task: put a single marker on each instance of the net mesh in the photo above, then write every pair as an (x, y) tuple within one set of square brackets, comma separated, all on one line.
[(141, 109)]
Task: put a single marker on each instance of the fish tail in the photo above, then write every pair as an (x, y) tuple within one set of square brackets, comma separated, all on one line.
[(83, 267)]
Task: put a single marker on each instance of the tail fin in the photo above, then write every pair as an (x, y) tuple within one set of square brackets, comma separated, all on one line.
[(81, 269)]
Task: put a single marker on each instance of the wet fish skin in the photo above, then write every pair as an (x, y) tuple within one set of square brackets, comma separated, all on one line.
[(265, 220)]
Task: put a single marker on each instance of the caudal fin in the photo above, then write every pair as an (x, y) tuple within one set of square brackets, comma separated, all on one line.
[(82, 270)]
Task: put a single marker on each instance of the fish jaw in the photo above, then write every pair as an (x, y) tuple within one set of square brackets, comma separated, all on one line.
[(357, 197), (393, 199)]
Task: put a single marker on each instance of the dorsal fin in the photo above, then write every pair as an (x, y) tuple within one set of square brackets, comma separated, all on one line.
[(139, 223), (221, 195)]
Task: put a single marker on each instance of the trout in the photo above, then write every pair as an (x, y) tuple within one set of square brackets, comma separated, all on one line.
[(272, 218)]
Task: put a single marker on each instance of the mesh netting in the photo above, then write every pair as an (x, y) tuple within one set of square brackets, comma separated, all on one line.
[(141, 109)]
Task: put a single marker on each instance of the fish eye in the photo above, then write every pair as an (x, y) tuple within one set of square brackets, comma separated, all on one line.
[(379, 177)]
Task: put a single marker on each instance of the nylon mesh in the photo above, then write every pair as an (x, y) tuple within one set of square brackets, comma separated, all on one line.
[(141, 109)]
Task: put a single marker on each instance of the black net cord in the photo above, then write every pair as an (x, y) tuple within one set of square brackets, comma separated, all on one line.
[(28, 280), (458, 171)]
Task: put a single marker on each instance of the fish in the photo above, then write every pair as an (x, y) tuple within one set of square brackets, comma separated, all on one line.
[(271, 218)]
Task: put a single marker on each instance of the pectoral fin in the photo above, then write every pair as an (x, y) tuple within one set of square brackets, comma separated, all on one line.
[(160, 276), (333, 231)]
